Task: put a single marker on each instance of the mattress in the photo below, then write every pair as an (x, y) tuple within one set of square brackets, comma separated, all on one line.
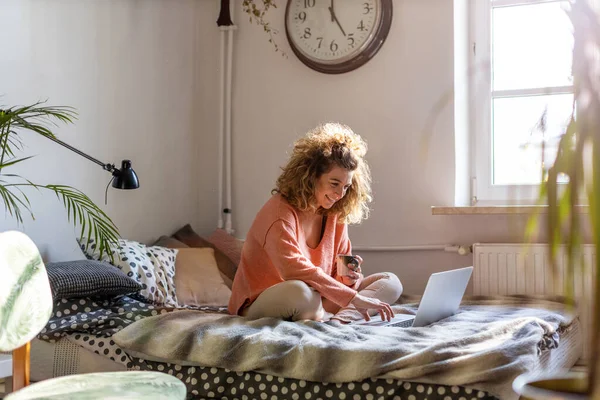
[(77, 339), (63, 357), (80, 353), (566, 354)]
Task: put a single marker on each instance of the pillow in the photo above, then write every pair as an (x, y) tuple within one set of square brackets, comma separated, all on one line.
[(173, 243), (198, 280), (170, 242), (153, 267), (86, 278), (192, 239), (228, 244)]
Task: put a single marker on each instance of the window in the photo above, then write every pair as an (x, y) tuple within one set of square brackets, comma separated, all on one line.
[(522, 95)]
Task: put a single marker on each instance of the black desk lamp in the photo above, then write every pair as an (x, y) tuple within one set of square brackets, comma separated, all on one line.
[(124, 178)]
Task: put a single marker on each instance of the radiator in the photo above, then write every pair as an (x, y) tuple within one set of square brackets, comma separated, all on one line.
[(505, 269)]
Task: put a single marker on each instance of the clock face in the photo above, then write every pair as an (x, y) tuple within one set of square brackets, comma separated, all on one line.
[(337, 35)]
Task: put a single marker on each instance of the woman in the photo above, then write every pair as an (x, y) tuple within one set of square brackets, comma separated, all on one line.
[(288, 263)]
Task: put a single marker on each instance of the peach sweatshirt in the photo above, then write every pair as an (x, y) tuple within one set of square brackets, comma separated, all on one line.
[(275, 251)]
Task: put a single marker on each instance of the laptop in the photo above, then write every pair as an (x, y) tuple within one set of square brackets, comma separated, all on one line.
[(442, 296)]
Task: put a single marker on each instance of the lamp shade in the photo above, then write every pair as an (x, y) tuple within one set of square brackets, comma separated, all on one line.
[(125, 178)]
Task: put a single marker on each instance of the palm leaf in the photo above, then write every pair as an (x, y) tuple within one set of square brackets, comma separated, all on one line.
[(14, 140), (10, 141), (44, 114), (4, 143), (80, 209), (13, 204), (23, 196), (36, 118), (13, 162)]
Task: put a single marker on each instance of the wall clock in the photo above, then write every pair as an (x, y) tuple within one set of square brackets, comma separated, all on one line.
[(336, 36)]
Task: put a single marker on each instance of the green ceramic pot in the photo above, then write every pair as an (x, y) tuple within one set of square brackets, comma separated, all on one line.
[(568, 386), (105, 386)]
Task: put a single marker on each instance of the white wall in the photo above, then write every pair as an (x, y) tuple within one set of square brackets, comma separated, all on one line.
[(141, 75), (388, 101)]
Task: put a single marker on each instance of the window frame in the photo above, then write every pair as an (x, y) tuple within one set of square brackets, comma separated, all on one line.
[(483, 191)]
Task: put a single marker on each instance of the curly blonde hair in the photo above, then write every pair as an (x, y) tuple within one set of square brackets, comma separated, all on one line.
[(314, 155)]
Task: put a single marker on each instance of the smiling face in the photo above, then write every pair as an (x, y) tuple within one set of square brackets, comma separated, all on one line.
[(332, 186)]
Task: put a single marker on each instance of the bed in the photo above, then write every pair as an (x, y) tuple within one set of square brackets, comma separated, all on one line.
[(125, 318), (82, 343)]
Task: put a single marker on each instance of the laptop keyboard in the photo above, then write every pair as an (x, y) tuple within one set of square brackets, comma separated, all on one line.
[(402, 324)]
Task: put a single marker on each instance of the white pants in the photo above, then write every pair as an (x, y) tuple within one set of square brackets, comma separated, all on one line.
[(295, 300)]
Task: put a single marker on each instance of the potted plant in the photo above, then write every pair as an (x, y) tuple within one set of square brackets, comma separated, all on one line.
[(81, 210), (578, 158)]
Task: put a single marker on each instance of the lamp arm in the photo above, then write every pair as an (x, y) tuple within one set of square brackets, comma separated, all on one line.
[(108, 167)]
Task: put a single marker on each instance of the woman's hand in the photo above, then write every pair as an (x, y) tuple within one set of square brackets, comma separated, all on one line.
[(363, 304), (354, 278)]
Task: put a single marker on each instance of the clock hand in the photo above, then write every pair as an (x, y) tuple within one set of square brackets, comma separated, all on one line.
[(336, 20), (331, 11)]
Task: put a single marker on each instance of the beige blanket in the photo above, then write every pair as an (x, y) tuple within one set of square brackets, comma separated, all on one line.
[(485, 345)]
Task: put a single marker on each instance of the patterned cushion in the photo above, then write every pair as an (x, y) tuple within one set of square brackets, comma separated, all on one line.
[(151, 266), (83, 278)]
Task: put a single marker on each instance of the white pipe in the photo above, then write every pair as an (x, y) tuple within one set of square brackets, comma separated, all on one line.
[(462, 250), (221, 121), (228, 95)]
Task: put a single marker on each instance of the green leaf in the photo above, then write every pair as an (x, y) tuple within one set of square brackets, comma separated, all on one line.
[(13, 204), (40, 119), (93, 220), (13, 162)]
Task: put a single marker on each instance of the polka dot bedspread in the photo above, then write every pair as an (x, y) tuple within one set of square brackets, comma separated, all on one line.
[(90, 323)]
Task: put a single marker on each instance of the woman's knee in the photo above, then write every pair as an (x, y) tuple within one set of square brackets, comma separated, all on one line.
[(298, 290), (385, 286), (289, 300), (305, 300), (296, 300), (393, 282)]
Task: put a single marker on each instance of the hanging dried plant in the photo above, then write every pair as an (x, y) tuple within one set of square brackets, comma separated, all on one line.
[(257, 14)]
